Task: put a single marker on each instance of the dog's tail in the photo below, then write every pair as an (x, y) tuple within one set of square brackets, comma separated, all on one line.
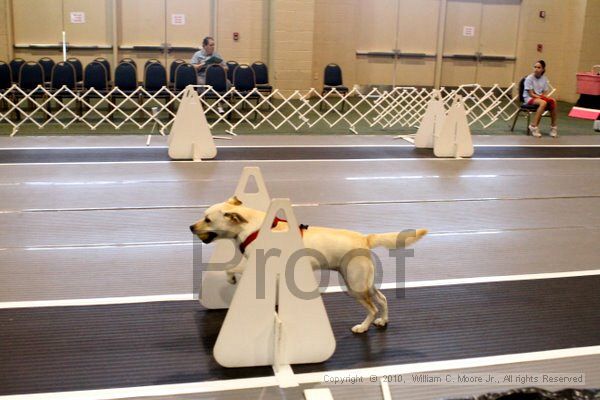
[(394, 240)]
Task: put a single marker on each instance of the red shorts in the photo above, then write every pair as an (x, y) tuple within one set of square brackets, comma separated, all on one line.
[(550, 102)]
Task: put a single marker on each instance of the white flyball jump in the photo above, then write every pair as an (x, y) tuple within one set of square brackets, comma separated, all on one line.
[(432, 122), (216, 291), (190, 136), (276, 315), (256, 332), (447, 133), (455, 139)]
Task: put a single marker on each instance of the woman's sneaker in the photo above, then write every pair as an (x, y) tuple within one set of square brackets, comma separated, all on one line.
[(535, 131), (554, 131)]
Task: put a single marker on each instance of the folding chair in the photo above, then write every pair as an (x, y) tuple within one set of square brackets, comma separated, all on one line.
[(528, 109)]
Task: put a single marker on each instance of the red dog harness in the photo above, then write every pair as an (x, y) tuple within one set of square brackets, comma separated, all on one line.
[(252, 237)]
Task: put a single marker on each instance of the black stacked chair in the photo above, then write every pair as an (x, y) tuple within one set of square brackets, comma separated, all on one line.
[(155, 77), (6, 82), (31, 75), (244, 82), (62, 77), (151, 61), (47, 63), (128, 60), (261, 73), (155, 81), (31, 81), (106, 64), (172, 69), (185, 75), (15, 66), (76, 63), (125, 80), (216, 77), (332, 79), (231, 66), (126, 77), (63, 74), (523, 107), (95, 76)]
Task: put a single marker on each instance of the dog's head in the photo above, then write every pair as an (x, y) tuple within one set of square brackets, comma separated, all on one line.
[(220, 221)]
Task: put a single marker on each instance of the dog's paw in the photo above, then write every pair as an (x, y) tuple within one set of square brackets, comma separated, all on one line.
[(380, 322), (359, 328), (231, 279)]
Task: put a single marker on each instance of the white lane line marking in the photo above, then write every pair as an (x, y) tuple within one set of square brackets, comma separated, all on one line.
[(475, 280), (191, 242), (151, 391), (403, 159), (333, 203), (329, 289), (408, 138), (313, 160), (314, 377), (347, 178), (96, 163), (125, 147), (97, 301), (385, 390)]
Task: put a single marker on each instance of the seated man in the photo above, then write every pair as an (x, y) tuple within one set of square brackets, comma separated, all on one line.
[(203, 58), (535, 91)]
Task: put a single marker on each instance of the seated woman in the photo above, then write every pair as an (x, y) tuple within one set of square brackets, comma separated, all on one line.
[(536, 88)]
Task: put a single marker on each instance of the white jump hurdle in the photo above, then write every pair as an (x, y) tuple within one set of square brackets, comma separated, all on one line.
[(455, 136), (275, 312), (256, 332), (432, 122), (216, 292), (190, 136)]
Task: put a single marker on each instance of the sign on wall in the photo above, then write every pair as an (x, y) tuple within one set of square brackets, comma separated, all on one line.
[(177, 19), (77, 17), (468, 31)]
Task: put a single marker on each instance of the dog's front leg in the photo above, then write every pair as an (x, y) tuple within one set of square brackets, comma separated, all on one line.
[(238, 269)]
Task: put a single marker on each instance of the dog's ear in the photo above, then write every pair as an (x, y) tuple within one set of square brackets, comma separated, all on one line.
[(234, 201), (235, 217)]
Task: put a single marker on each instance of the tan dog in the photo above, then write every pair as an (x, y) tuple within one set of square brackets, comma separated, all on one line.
[(233, 220)]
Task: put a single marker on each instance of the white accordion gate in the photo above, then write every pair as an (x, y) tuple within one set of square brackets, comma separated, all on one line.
[(398, 107)]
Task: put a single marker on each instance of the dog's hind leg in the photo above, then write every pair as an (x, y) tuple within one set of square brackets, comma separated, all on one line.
[(367, 302), (382, 301)]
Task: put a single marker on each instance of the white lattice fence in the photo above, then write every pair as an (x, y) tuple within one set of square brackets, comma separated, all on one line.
[(401, 106)]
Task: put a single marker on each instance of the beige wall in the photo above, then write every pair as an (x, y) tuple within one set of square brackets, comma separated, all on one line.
[(560, 34), (292, 43), (590, 44), (4, 55), (571, 50), (298, 38), (249, 19), (335, 38)]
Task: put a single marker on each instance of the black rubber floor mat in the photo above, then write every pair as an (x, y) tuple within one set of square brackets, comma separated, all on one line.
[(94, 347), (539, 394), (282, 153), (455, 322)]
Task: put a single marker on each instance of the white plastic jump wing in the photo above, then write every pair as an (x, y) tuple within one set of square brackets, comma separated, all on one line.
[(255, 333), (217, 292), (455, 139), (431, 124), (190, 137)]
